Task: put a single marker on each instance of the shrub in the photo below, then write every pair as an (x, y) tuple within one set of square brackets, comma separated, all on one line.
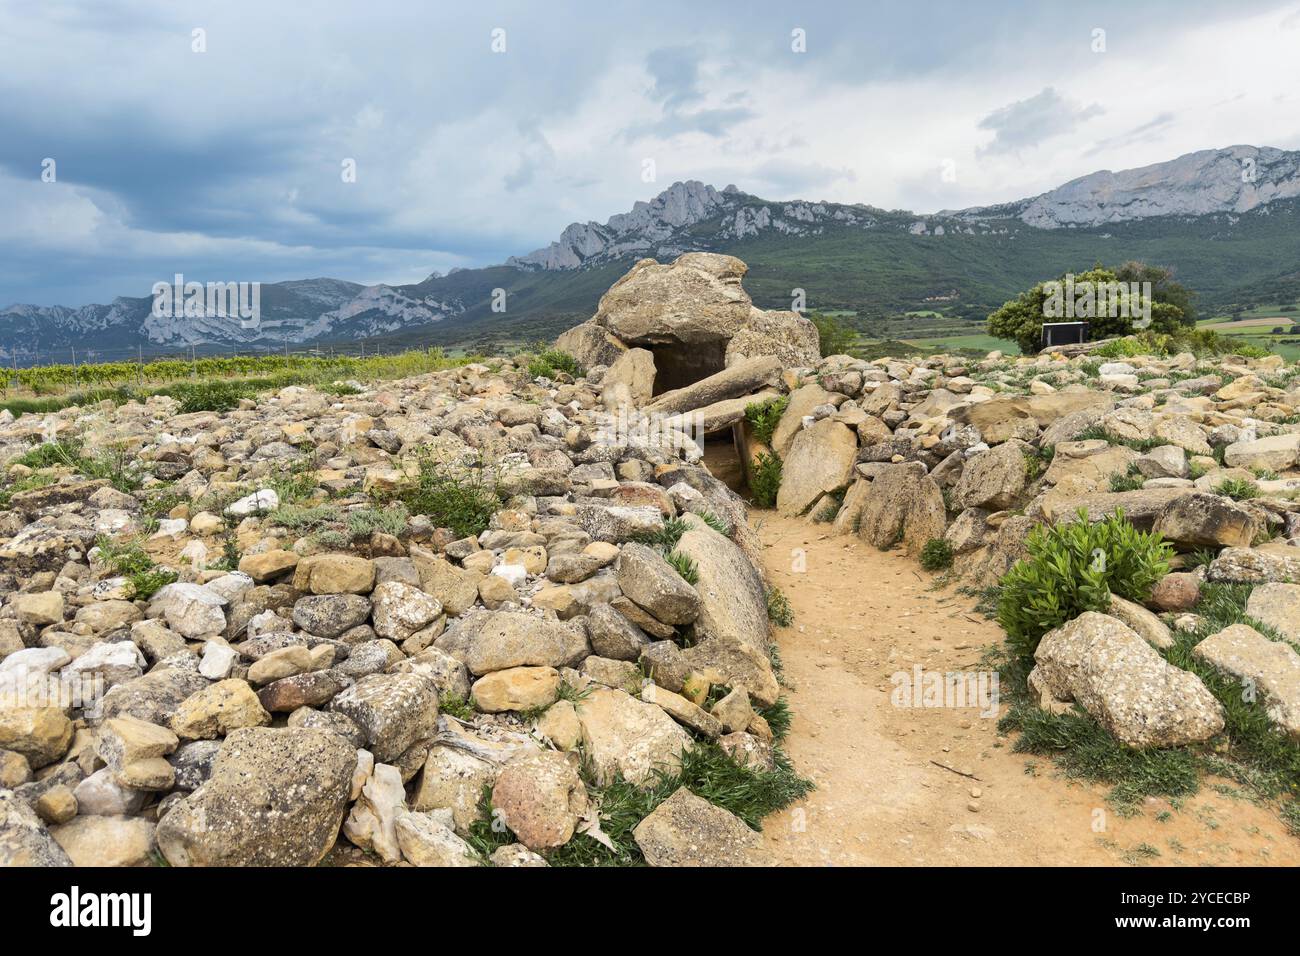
[(766, 480), (366, 521), (210, 396), (835, 338), (936, 555), (546, 362), (1238, 489), (779, 611), (1021, 319), (1074, 567), (145, 584), (763, 417)]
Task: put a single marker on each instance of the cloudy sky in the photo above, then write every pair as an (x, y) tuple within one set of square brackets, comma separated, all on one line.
[(227, 163)]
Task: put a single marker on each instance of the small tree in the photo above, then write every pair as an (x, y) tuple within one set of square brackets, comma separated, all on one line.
[(1021, 319), (836, 337)]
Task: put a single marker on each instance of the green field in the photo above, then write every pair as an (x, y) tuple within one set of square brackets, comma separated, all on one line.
[(1256, 326)]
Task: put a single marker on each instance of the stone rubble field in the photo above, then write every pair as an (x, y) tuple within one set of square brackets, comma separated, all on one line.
[(301, 663)]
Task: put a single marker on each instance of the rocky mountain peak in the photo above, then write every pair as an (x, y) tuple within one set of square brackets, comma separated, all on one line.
[(1233, 180)]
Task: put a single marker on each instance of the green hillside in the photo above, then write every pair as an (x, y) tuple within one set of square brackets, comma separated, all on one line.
[(894, 284)]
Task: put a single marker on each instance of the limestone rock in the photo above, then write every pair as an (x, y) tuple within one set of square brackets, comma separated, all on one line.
[(540, 798), (275, 798), (623, 736), (1118, 678), (686, 830), (1271, 669), (820, 461)]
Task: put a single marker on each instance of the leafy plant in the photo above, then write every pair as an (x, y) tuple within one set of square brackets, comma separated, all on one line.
[(936, 554), (779, 611), (145, 584), (665, 537), (1071, 568), (765, 481), (763, 417), (684, 566), (1238, 489), (834, 337), (719, 525), (1130, 481)]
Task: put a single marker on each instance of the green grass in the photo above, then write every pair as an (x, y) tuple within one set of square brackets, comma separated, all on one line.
[(462, 498), (1251, 751), (684, 566), (706, 771), (1238, 489), (666, 536)]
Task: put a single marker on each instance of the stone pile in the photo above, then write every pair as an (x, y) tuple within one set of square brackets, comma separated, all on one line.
[(331, 669)]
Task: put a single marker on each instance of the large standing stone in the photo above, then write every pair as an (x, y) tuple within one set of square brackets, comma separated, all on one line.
[(632, 377), (686, 830), (591, 344), (623, 736), (1122, 681), (392, 710), (820, 461), (904, 506), (802, 402), (275, 798), (787, 335), (740, 379), (695, 300), (733, 602), (1270, 668)]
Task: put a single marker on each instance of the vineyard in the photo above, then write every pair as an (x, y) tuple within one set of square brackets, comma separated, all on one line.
[(49, 387)]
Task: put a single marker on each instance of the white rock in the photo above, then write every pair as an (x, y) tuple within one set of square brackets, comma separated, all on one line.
[(513, 573), (218, 660), (265, 499)]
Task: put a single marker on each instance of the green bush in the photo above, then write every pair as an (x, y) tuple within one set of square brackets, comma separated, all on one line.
[(936, 555), (546, 362), (766, 480), (211, 396), (834, 336), (1074, 567), (779, 611), (1021, 319), (763, 417)]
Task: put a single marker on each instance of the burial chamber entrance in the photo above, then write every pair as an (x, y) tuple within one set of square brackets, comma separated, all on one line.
[(678, 365)]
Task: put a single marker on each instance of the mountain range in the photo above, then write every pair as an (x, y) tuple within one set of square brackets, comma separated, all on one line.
[(1226, 220)]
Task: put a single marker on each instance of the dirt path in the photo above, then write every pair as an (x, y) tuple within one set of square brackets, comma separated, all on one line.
[(862, 615)]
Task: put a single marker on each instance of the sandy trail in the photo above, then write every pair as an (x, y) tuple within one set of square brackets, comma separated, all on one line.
[(862, 615)]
